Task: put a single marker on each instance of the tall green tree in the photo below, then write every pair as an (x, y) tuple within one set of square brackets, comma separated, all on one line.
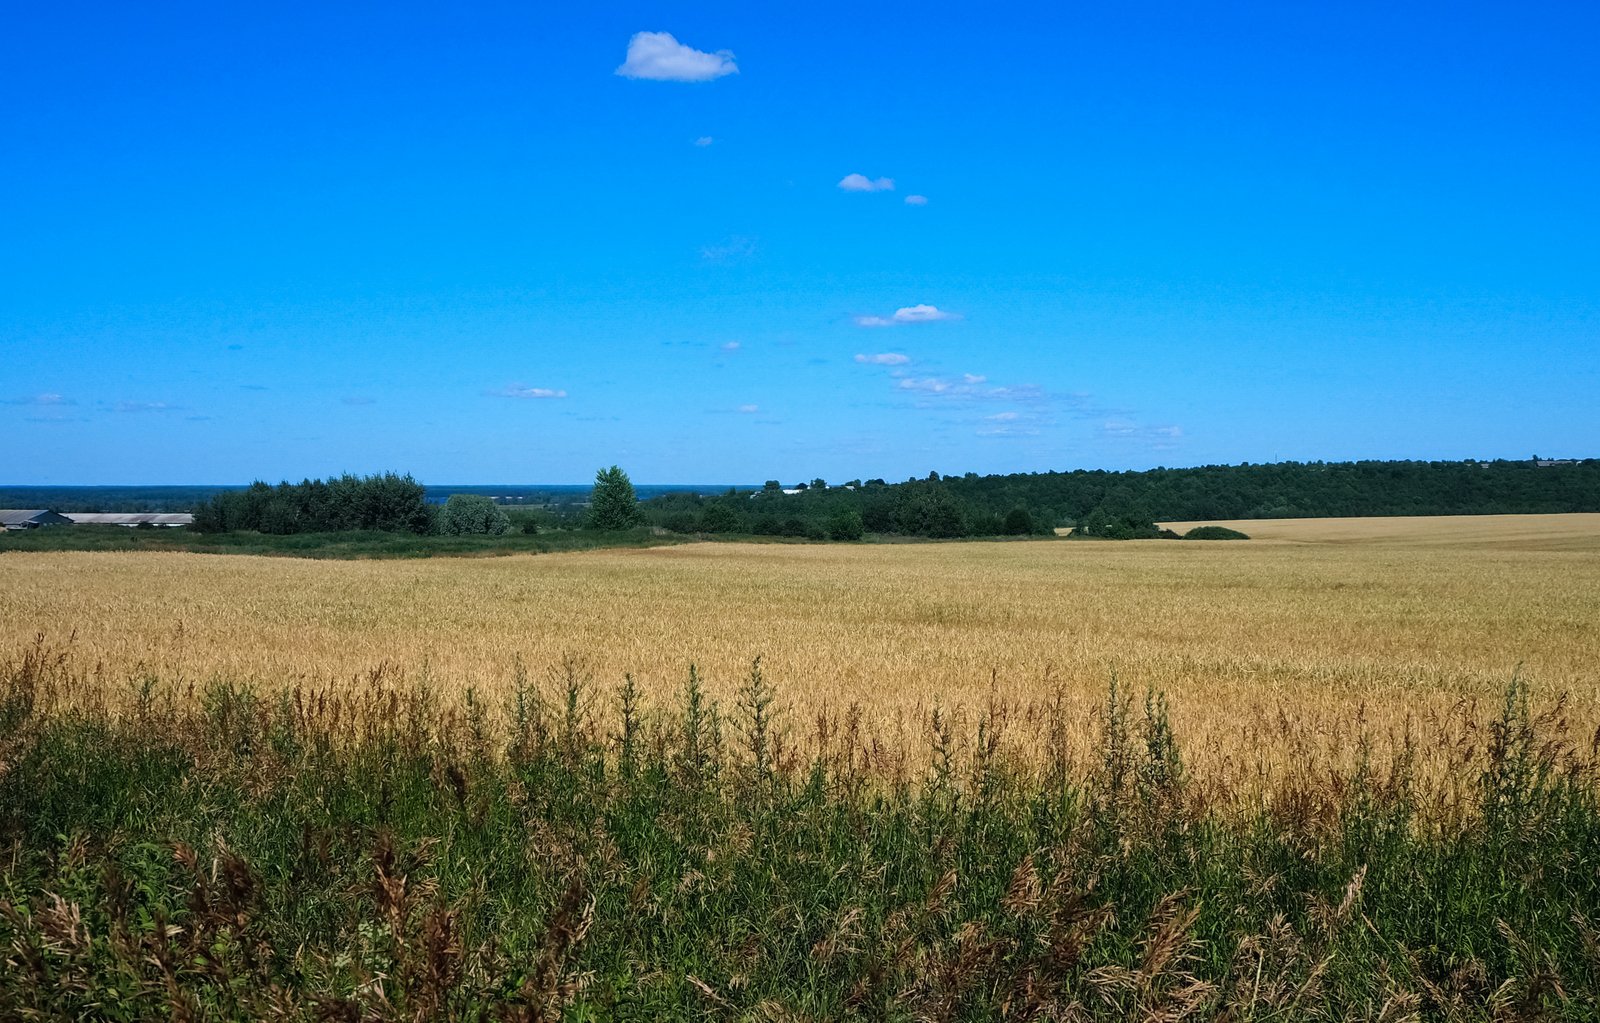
[(613, 505)]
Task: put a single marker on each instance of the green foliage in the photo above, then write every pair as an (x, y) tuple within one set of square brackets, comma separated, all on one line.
[(719, 517), (613, 505), (1018, 522), (846, 524), (242, 857), (472, 515), (387, 502), (1214, 533)]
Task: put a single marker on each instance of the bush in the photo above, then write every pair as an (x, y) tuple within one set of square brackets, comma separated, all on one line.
[(846, 525), (1018, 522), (719, 518), (472, 515), (1214, 533)]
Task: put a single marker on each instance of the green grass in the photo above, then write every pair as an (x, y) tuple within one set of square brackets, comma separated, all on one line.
[(226, 856), (358, 544)]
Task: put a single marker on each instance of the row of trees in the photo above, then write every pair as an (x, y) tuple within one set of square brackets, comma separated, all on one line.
[(1095, 503), (387, 501)]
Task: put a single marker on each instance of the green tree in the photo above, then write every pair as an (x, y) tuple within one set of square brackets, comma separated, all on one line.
[(846, 524), (613, 505), (472, 514), (1018, 522)]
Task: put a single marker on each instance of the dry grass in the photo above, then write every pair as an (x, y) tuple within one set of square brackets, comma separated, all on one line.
[(1275, 653)]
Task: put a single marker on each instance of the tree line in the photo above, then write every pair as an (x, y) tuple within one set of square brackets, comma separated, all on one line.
[(1127, 505), (1093, 503), (387, 502)]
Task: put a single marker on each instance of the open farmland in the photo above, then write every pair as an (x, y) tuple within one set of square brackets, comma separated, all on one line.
[(1272, 652)]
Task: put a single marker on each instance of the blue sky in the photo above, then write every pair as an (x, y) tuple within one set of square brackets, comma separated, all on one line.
[(278, 240)]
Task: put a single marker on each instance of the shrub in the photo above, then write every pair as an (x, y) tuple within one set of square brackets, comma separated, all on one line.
[(719, 518), (1018, 522), (1214, 533), (472, 515), (846, 525)]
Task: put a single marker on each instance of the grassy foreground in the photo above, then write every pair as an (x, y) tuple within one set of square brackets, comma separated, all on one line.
[(215, 854)]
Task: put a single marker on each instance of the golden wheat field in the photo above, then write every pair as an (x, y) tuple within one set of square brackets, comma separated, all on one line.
[(1275, 653)]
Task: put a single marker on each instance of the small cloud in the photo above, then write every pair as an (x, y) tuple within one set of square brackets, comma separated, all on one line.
[(358, 400), (144, 406), (862, 183), (1159, 438), (733, 250), (48, 399), (884, 359), (731, 346), (749, 410), (704, 140), (1004, 417), (658, 57), (907, 314), (973, 378), (916, 200), (519, 391)]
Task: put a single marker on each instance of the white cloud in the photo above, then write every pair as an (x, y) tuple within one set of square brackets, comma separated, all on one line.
[(731, 346), (704, 140), (749, 410), (144, 406), (659, 57), (907, 314), (922, 314), (1004, 417), (884, 359), (862, 183), (519, 391), (1158, 438), (916, 200), (973, 378), (44, 400)]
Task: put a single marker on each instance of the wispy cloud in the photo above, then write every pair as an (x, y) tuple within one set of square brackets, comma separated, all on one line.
[(749, 410), (908, 314), (734, 249), (731, 346), (883, 359), (48, 399), (145, 406), (916, 200), (658, 57), (519, 391), (1157, 438), (862, 183), (704, 141)]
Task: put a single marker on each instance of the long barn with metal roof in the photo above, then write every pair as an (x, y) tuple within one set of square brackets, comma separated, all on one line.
[(30, 518)]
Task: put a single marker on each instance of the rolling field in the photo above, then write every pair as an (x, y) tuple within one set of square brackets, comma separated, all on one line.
[(1274, 653), (1348, 814)]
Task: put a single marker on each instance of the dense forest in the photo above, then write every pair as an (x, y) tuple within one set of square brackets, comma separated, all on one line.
[(1123, 504)]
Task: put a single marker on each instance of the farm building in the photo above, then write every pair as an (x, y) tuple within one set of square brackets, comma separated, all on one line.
[(131, 519), (30, 518)]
